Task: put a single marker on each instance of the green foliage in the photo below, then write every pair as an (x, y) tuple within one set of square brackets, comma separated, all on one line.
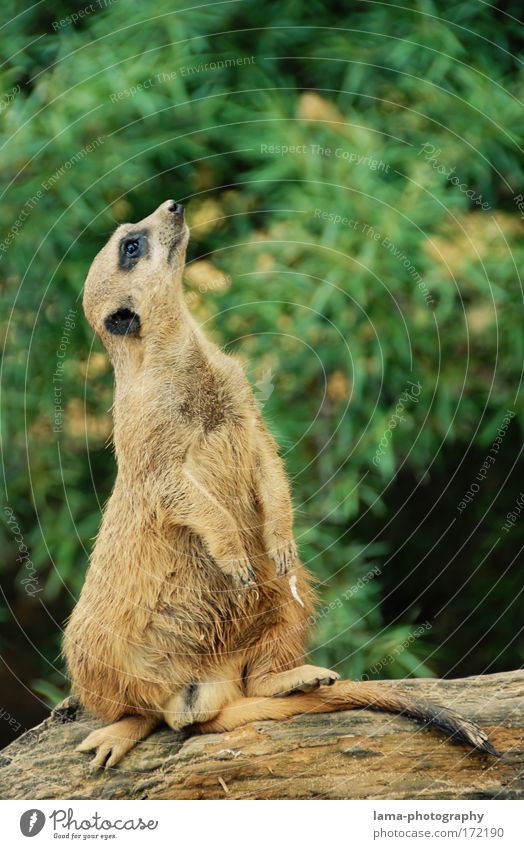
[(340, 319)]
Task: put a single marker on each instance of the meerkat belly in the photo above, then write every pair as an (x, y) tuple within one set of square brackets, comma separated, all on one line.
[(154, 614), (199, 615)]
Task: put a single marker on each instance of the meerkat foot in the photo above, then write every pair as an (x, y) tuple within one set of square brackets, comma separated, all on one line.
[(319, 680), (302, 679), (114, 741), (283, 556), (310, 678)]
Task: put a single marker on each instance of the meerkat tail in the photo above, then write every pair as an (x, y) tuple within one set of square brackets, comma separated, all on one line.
[(346, 695)]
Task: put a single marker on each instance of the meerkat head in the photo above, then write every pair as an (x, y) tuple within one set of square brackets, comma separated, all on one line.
[(134, 285)]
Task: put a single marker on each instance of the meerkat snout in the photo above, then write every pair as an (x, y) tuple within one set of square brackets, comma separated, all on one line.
[(175, 207), (134, 282)]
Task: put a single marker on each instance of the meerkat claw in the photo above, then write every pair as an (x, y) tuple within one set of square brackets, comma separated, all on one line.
[(249, 579), (241, 572), (284, 559)]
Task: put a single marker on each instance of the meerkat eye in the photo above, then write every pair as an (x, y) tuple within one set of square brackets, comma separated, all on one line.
[(131, 247)]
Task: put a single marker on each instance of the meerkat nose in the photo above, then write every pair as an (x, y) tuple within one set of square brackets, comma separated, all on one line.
[(175, 208)]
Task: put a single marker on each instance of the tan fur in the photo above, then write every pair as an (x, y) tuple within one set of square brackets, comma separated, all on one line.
[(187, 615)]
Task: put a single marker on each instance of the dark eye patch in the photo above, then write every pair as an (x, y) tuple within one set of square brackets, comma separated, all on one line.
[(123, 322), (132, 248)]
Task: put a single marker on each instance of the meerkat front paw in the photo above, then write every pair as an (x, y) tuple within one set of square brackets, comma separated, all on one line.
[(283, 555), (240, 570)]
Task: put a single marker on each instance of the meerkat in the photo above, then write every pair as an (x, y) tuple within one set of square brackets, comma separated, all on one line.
[(195, 609)]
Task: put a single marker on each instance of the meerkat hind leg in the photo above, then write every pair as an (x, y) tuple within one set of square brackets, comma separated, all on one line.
[(301, 679), (114, 741)]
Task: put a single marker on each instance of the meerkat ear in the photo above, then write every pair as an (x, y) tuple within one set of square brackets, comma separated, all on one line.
[(123, 322)]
